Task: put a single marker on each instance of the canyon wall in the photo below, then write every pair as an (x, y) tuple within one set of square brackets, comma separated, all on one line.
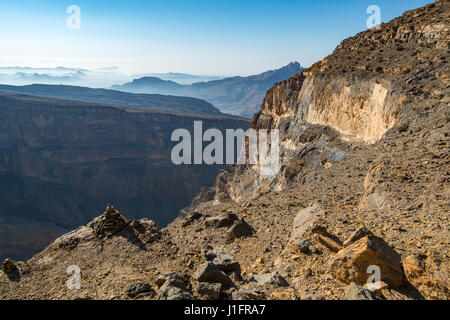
[(60, 163), (360, 109), (375, 81)]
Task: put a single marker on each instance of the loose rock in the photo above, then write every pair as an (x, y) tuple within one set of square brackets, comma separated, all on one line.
[(222, 220), (209, 290), (138, 288), (239, 229), (209, 272), (273, 278), (174, 290), (9, 266), (356, 292), (223, 260)]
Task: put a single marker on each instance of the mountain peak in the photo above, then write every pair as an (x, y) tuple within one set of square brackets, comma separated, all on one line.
[(240, 96), (293, 64), (150, 79)]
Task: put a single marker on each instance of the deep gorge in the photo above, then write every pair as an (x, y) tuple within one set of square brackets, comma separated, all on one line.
[(61, 163)]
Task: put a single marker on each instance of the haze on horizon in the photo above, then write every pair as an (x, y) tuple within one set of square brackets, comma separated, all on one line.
[(195, 37)]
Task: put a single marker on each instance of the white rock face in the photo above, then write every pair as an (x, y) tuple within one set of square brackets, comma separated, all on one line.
[(361, 110)]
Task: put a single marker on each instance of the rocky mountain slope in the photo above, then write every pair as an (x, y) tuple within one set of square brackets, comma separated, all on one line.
[(61, 160), (364, 185), (237, 95)]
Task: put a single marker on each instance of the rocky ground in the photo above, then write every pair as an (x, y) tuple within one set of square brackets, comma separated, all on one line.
[(338, 207)]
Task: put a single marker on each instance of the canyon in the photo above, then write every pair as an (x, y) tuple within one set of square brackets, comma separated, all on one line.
[(363, 185), (62, 160)]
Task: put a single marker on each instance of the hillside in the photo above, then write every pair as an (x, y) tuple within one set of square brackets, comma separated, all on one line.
[(237, 95), (364, 182), (155, 102)]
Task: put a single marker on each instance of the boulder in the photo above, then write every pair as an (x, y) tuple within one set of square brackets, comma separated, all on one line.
[(109, 223), (222, 220), (239, 229), (191, 217), (9, 266), (209, 290), (209, 272), (223, 260), (273, 278), (429, 274), (139, 288), (194, 216), (351, 263), (174, 290), (169, 276), (356, 292), (304, 222)]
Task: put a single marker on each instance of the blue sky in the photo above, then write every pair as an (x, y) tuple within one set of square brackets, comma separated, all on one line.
[(212, 37)]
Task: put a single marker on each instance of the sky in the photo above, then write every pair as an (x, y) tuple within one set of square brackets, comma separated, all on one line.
[(214, 37)]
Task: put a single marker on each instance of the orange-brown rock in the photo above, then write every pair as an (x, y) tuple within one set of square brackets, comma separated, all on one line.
[(429, 275), (351, 263)]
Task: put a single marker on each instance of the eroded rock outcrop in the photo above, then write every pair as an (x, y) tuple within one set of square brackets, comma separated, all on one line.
[(352, 263), (109, 223)]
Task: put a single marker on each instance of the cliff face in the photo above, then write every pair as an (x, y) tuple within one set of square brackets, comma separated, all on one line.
[(374, 81), (59, 164), (359, 109)]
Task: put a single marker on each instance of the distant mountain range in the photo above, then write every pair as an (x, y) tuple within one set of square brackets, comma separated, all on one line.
[(155, 102), (182, 78), (236, 95), (98, 78)]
